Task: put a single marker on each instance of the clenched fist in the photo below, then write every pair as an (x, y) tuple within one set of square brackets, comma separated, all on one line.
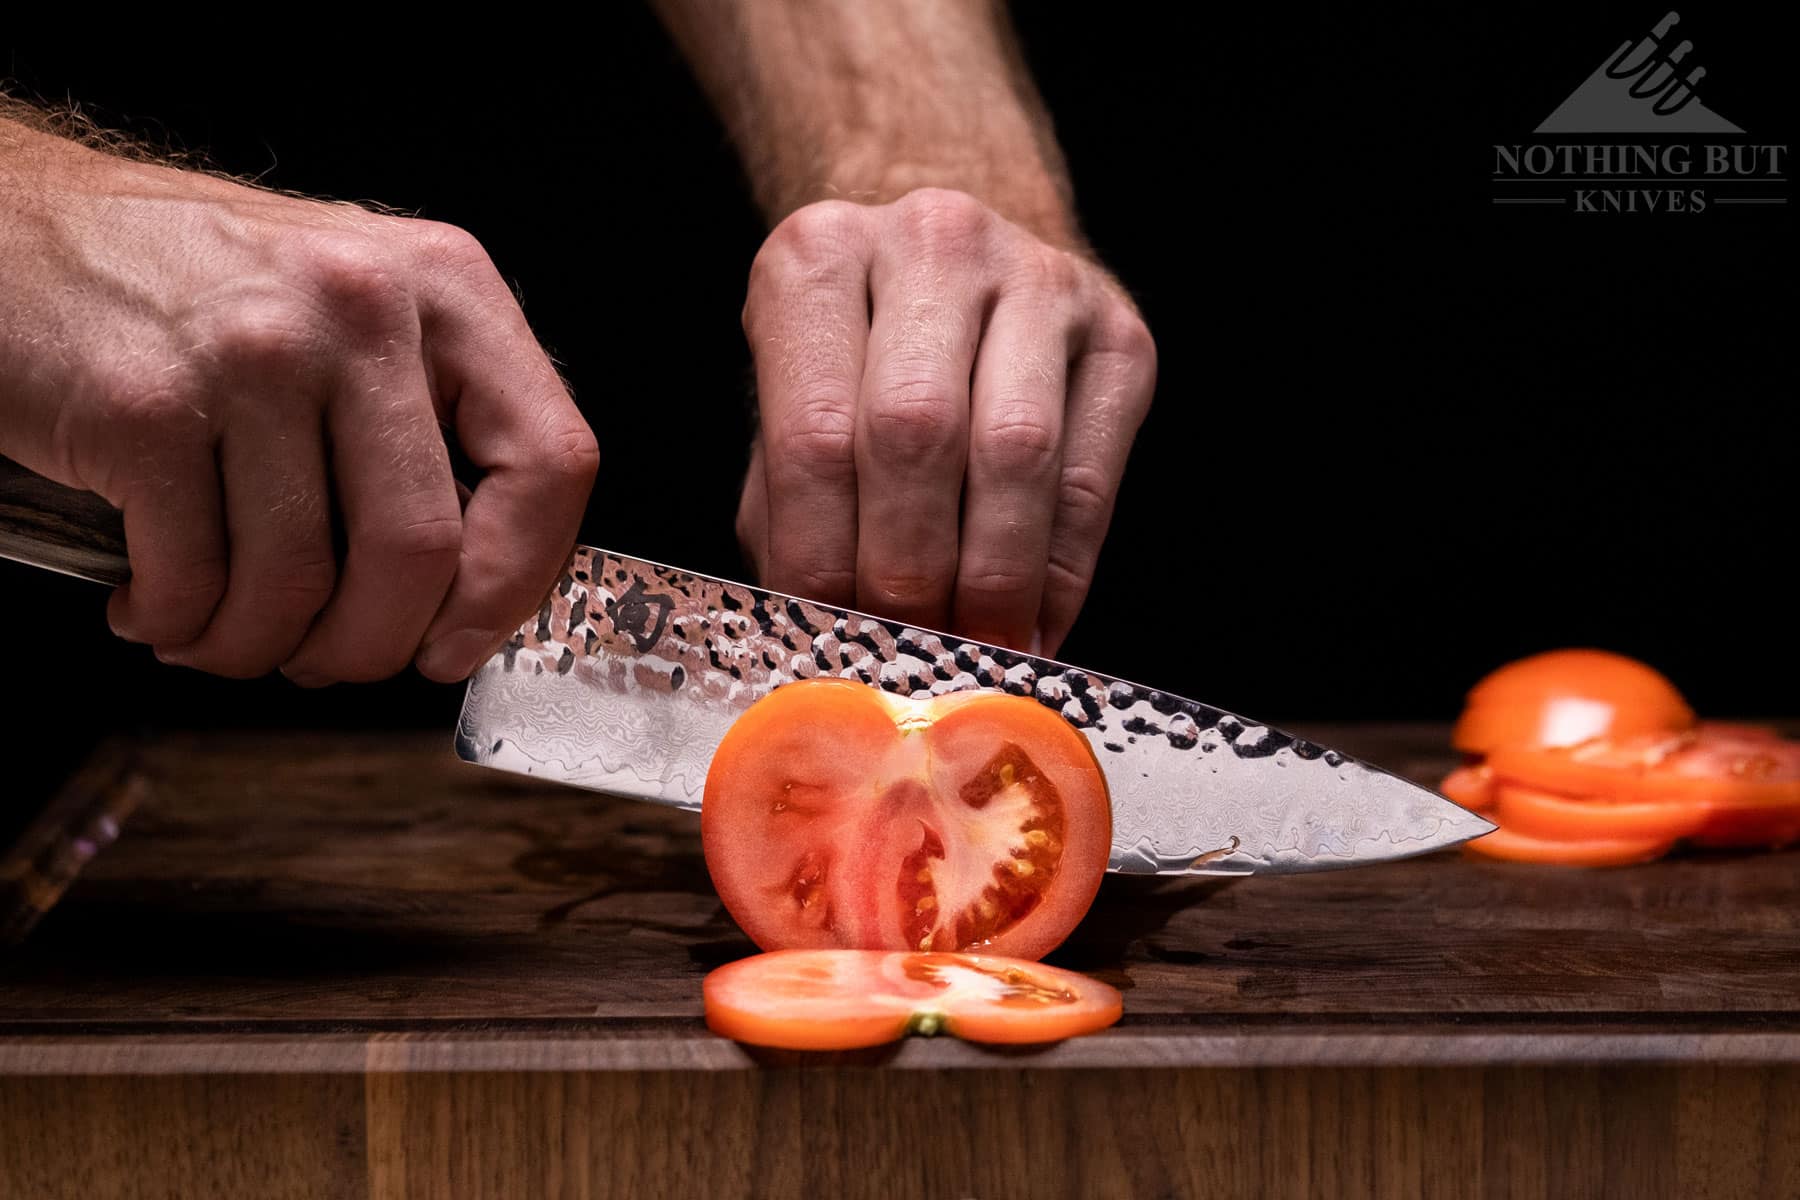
[(947, 403), (261, 383)]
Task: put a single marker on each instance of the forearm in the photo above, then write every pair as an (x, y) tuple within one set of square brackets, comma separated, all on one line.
[(839, 99)]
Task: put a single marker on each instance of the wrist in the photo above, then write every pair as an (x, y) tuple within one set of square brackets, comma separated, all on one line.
[(1024, 192)]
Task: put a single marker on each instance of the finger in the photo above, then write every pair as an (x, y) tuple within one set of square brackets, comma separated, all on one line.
[(517, 424), (806, 319), (753, 514), (1110, 386), (175, 536), (278, 514), (401, 524), (912, 431), (1015, 458)]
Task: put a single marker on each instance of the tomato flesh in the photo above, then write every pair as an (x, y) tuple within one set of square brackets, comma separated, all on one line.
[(836, 815), (848, 999)]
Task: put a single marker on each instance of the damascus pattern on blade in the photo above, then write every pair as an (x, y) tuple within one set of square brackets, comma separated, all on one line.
[(631, 673)]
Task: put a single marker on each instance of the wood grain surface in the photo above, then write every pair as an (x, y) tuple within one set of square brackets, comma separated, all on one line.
[(353, 966)]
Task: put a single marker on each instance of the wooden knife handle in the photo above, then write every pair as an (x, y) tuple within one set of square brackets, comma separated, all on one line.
[(60, 528)]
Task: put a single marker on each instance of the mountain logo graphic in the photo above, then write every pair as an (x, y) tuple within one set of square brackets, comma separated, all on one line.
[(1643, 88)]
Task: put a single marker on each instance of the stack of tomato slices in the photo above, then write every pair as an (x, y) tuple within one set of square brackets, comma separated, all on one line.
[(1587, 758)]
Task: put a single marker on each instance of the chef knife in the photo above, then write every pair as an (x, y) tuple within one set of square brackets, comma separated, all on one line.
[(631, 672)]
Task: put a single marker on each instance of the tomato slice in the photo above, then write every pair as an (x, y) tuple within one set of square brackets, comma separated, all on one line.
[(1536, 813), (846, 999), (836, 815), (1565, 697), (1697, 767), (1511, 846), (1471, 786)]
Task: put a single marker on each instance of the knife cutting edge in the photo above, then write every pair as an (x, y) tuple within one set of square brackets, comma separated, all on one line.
[(631, 672)]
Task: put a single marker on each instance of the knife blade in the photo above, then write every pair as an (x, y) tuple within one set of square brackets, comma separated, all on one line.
[(631, 672)]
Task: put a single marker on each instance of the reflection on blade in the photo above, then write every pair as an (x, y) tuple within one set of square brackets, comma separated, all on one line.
[(632, 672)]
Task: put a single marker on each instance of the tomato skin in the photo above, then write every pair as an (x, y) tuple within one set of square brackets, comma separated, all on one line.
[(1510, 846), (851, 999), (1565, 697), (836, 815)]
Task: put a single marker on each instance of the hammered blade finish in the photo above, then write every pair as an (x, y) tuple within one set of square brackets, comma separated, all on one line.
[(631, 673)]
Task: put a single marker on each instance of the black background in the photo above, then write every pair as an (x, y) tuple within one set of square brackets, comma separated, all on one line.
[(1401, 435)]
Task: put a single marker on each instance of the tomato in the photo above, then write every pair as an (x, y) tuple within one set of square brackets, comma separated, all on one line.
[(1608, 852), (836, 815), (845, 999), (1565, 697)]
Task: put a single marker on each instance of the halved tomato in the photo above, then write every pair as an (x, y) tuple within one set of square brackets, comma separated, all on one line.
[(1565, 697), (846, 999), (839, 815), (1608, 852)]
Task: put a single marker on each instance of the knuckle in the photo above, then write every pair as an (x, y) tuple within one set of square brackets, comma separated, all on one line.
[(941, 221), (818, 437), (1019, 443), (264, 336), (817, 582), (1068, 577), (424, 539), (1124, 332), (1085, 497), (302, 582), (141, 408), (234, 659), (355, 280), (196, 587), (917, 422), (891, 584), (1046, 269), (180, 609), (812, 246), (450, 252), (996, 581), (813, 234), (571, 452), (447, 245)]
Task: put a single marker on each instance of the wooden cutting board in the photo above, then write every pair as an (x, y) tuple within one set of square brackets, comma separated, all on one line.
[(325, 965)]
